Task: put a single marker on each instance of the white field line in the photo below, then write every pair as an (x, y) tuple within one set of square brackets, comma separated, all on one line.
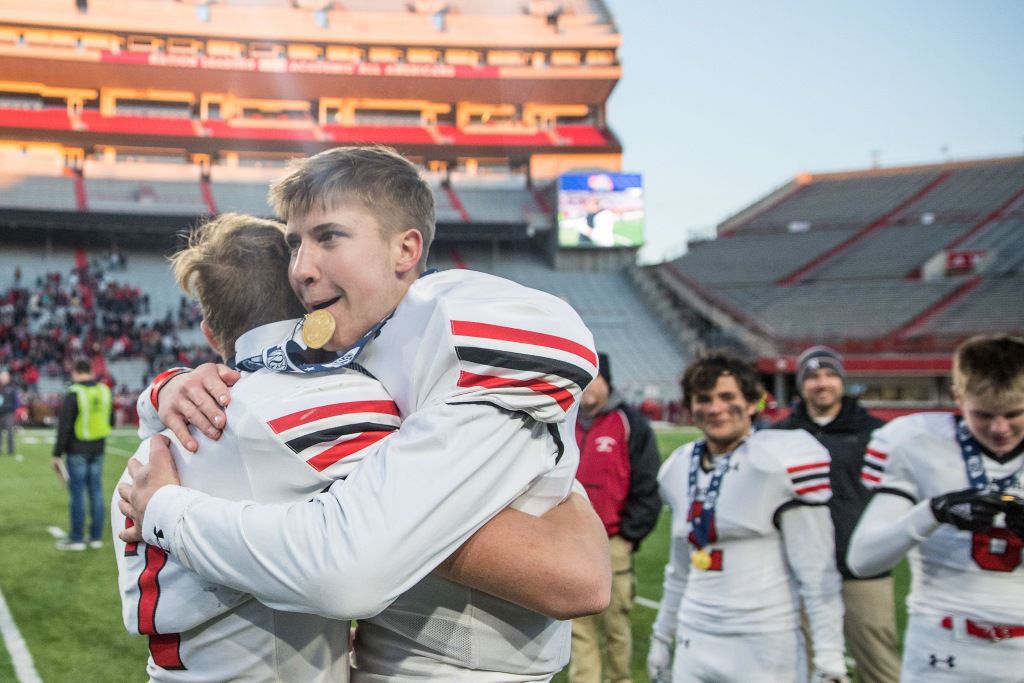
[(24, 667), (645, 602)]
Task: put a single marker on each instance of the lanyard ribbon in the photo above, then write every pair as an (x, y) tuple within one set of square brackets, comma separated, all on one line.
[(971, 452), (701, 524), (294, 358)]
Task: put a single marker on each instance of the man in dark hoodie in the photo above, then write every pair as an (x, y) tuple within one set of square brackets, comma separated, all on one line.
[(86, 418), (844, 427), (619, 464)]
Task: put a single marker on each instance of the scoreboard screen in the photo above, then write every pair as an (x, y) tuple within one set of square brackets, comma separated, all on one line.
[(600, 210)]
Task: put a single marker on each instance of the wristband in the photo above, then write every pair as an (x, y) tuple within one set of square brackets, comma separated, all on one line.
[(160, 380)]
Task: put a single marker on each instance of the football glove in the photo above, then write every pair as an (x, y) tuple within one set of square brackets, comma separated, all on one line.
[(1014, 514), (969, 510), (659, 660)]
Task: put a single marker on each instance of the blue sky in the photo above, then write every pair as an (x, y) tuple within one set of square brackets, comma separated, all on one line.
[(722, 101)]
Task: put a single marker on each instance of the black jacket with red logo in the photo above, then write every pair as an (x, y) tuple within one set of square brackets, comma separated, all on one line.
[(619, 464)]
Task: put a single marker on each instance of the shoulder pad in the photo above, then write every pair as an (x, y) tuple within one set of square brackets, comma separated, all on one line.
[(800, 456), (518, 348), (889, 439)]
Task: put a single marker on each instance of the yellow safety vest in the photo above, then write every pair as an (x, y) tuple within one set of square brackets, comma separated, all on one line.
[(94, 406)]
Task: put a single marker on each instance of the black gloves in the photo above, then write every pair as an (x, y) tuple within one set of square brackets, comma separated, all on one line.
[(1014, 514), (970, 509)]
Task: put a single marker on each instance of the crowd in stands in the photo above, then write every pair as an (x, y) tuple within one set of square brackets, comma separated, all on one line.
[(45, 324)]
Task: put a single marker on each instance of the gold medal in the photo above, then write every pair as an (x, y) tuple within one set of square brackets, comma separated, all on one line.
[(701, 559), (317, 329)]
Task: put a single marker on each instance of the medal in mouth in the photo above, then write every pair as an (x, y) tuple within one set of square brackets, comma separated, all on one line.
[(318, 325)]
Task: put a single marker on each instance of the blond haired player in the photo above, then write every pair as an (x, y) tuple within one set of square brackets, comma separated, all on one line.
[(947, 490), (486, 375), (751, 537)]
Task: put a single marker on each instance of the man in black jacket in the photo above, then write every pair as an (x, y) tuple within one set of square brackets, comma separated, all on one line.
[(844, 427)]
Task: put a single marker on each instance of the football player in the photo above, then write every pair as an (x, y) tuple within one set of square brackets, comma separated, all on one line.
[(298, 436), (486, 375), (751, 538), (947, 490)]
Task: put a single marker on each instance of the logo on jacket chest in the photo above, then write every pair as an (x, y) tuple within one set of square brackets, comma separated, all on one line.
[(606, 444)]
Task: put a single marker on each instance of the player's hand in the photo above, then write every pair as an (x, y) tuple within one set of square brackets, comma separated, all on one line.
[(969, 510), (820, 676), (196, 398), (146, 481), (659, 660)]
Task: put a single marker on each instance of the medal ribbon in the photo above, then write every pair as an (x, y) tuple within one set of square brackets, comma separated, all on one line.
[(971, 452), (701, 524), (295, 358)]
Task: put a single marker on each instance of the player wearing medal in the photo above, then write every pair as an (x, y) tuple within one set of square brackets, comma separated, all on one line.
[(948, 491), (486, 375), (751, 537), (298, 436)]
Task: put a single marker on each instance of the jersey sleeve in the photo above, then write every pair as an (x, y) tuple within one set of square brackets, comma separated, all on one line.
[(350, 551), (158, 594), (805, 461), (887, 466), (529, 353)]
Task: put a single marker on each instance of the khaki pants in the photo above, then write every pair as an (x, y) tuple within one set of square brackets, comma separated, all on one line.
[(585, 665), (869, 628)]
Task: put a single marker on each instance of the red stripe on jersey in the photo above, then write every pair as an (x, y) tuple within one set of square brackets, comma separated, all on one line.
[(302, 417), (325, 459), (130, 549), (867, 476), (149, 588), (465, 328), (165, 649), (878, 454), (812, 489), (561, 396), (810, 466)]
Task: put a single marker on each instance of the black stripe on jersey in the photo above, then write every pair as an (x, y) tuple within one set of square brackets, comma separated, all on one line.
[(808, 477), (789, 505), (896, 492), (510, 360), (303, 442), (874, 466)]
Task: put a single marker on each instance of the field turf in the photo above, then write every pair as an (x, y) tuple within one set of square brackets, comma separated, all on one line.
[(66, 605)]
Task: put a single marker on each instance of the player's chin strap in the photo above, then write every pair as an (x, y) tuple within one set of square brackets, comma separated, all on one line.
[(290, 356)]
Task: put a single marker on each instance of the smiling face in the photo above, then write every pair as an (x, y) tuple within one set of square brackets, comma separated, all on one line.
[(998, 426), (723, 414), (342, 260), (822, 391)]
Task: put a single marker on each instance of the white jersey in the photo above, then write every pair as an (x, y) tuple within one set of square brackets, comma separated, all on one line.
[(287, 439), (486, 374), (976, 575), (771, 543)]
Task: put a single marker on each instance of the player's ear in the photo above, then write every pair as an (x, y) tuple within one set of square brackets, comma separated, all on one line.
[(408, 248), (210, 338)]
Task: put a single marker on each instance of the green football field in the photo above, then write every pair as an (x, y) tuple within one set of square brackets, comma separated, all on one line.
[(65, 605)]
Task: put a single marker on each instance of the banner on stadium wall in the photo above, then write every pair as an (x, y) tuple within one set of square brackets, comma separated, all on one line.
[(600, 210)]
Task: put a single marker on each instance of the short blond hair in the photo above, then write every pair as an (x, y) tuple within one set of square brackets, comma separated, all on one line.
[(237, 267), (990, 367), (383, 181)]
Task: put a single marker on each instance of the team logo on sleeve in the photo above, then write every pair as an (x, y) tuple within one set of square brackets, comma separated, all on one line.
[(327, 434), (522, 363)]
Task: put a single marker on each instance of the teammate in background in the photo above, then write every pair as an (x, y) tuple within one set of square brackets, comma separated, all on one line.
[(947, 490), (197, 628), (86, 418), (8, 406), (751, 538), (843, 427), (486, 375), (619, 463)]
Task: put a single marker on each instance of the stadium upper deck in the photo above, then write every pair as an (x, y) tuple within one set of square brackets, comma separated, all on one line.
[(904, 259)]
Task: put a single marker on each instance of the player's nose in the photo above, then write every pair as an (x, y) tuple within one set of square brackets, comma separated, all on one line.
[(303, 268)]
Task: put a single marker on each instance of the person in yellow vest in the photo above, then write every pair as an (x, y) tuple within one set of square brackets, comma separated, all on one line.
[(85, 421)]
